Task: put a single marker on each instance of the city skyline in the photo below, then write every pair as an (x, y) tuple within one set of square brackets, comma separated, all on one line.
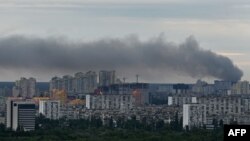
[(221, 27), (124, 69)]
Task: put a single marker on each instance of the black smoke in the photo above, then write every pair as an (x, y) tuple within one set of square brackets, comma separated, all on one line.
[(128, 54)]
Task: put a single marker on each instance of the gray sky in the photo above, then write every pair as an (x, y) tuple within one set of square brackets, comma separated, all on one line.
[(222, 26)]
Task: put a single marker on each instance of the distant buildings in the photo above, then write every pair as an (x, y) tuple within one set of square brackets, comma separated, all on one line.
[(81, 83), (20, 114), (60, 95), (222, 87), (241, 87), (91, 81), (215, 105), (141, 97), (110, 101), (2, 104), (181, 100), (226, 108), (25, 88), (106, 78), (223, 105), (80, 96), (50, 108), (203, 88), (140, 91)]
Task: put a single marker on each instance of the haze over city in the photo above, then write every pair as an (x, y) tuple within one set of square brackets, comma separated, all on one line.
[(124, 70), (162, 41)]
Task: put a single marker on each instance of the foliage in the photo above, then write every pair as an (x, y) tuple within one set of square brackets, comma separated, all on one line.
[(123, 130)]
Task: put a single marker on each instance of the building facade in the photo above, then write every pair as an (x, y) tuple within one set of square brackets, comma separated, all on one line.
[(194, 115), (25, 88), (227, 108), (181, 100), (110, 101), (106, 78), (81, 83), (50, 108), (20, 115), (241, 87)]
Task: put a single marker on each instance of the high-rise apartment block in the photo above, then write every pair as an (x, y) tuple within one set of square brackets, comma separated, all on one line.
[(81, 83), (241, 87), (106, 78), (25, 88), (222, 87)]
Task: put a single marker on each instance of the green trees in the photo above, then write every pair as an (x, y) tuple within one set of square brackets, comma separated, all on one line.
[(176, 124), (114, 134), (2, 127), (93, 129)]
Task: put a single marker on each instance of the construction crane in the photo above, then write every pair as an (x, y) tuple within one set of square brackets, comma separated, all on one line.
[(137, 78), (124, 80)]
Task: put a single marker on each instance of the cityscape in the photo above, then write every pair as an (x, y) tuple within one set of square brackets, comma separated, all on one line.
[(116, 70), (104, 95)]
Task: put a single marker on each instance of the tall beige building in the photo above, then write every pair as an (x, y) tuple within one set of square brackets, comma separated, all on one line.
[(25, 88), (81, 83), (106, 78), (241, 87)]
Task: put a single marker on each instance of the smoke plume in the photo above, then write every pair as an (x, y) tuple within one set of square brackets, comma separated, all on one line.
[(128, 54)]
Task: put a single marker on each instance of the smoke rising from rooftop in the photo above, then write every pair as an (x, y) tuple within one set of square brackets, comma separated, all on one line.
[(127, 54)]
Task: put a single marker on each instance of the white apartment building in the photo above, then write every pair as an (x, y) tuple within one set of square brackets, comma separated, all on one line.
[(194, 115), (226, 108), (50, 108), (20, 114), (223, 105), (180, 100), (215, 105), (110, 101)]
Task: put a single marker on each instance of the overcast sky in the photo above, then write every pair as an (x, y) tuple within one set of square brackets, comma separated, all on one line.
[(222, 26)]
